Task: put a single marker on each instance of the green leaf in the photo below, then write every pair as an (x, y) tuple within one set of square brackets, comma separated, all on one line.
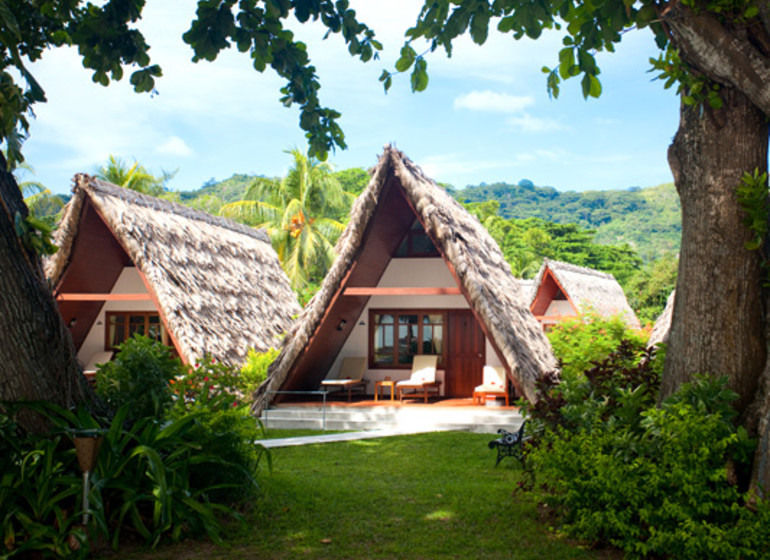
[(407, 58), (480, 26), (420, 75)]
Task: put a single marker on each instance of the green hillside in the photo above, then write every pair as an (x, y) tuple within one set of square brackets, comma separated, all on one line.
[(647, 219)]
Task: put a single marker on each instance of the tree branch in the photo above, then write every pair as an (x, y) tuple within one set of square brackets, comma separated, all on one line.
[(723, 55)]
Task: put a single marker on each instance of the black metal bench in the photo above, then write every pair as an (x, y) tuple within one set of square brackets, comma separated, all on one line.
[(510, 444)]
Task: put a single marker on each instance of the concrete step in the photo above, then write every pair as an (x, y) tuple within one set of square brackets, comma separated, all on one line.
[(476, 419)]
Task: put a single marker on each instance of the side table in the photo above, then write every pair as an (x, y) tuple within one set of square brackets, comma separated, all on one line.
[(379, 388)]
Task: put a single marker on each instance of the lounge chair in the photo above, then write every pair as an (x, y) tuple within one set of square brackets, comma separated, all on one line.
[(423, 381), (350, 377), (494, 384), (98, 358)]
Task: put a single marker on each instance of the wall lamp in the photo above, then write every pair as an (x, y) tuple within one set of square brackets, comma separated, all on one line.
[(342, 325)]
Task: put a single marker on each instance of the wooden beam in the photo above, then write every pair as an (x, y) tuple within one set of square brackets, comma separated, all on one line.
[(402, 291), (104, 297)]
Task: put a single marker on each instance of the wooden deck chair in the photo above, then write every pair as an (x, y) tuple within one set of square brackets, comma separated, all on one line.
[(423, 379), (494, 382), (350, 377), (98, 358)]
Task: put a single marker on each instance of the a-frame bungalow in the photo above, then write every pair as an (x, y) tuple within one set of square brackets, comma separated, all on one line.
[(562, 290), (415, 273), (131, 263)]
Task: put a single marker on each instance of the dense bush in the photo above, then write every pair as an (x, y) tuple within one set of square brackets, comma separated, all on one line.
[(139, 376), (171, 461), (214, 393), (657, 482), (254, 372), (578, 342)]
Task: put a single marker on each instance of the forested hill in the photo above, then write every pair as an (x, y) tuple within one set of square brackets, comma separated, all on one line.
[(647, 219)]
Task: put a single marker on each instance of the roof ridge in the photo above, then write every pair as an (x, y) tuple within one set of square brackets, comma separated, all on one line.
[(93, 184), (577, 268)]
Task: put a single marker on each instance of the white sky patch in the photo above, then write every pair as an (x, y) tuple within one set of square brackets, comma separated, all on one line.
[(528, 123), (175, 146), (493, 101)]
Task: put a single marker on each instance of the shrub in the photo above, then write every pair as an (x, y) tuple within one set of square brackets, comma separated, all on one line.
[(39, 491), (211, 391), (654, 483), (209, 385), (254, 372), (139, 377), (144, 478), (580, 341), (615, 389)]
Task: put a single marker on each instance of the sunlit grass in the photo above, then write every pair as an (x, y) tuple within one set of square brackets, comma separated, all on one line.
[(421, 496)]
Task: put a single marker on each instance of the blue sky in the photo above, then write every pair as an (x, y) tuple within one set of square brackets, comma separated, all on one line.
[(485, 117)]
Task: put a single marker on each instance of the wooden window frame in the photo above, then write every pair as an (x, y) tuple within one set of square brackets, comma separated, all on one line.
[(126, 314), (406, 311)]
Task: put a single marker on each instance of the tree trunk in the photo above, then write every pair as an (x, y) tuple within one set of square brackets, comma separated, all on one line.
[(758, 422), (717, 325), (37, 357)]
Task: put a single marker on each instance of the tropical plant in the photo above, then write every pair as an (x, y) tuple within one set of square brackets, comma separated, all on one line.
[(139, 376), (135, 177), (298, 213), (254, 371), (580, 341)]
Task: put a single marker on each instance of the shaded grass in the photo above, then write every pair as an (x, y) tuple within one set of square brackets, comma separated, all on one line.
[(424, 496)]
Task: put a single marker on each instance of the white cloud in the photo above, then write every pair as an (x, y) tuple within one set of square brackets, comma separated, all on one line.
[(175, 146), (493, 101), (528, 123)]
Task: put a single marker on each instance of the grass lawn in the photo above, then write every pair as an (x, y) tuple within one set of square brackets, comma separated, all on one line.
[(425, 496)]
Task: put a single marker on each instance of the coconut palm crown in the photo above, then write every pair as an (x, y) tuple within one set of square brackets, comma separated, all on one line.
[(300, 213)]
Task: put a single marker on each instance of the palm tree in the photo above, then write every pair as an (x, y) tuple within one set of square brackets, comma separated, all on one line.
[(137, 177), (40, 200), (297, 213)]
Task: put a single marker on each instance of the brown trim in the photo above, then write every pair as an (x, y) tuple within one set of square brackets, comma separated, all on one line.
[(548, 273), (417, 291), (104, 297), (407, 311)]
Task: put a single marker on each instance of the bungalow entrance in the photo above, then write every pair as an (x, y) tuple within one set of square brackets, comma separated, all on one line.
[(467, 354)]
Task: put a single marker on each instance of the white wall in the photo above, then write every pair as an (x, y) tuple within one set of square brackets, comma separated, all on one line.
[(129, 282), (559, 308), (403, 273)]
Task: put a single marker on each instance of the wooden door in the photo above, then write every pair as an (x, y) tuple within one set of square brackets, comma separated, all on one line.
[(466, 354)]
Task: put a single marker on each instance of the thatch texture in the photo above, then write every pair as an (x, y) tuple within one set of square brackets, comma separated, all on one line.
[(492, 291), (589, 290), (662, 327), (219, 284)]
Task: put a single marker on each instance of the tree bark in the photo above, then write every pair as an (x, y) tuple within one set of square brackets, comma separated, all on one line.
[(717, 325), (38, 360)]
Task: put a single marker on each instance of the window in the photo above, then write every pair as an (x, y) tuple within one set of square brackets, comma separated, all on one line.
[(396, 336), (123, 325), (416, 243)]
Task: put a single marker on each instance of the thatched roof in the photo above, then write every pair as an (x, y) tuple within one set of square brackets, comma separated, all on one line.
[(219, 285), (483, 275), (589, 290), (662, 327)]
